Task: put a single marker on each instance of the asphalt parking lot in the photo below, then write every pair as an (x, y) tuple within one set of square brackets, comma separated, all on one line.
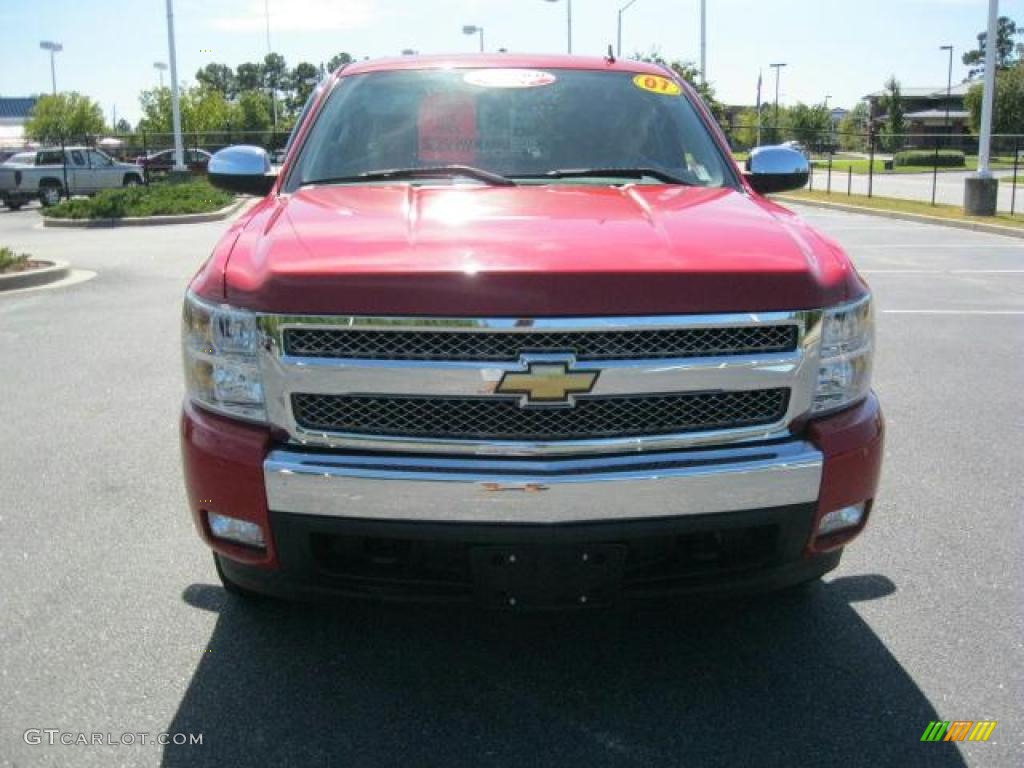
[(114, 622)]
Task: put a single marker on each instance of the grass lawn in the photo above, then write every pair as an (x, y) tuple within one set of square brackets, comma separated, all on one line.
[(908, 206), (159, 199), (840, 164)]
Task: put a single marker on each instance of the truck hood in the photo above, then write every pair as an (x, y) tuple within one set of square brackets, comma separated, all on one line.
[(531, 251)]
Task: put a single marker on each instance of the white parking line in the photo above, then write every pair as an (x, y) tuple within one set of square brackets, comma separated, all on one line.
[(953, 311), (942, 271), (931, 246)]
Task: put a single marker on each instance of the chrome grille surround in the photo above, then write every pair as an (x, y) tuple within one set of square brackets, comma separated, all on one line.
[(508, 346), (286, 375), (499, 418)]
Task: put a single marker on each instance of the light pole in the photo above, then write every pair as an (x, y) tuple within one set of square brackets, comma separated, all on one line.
[(270, 50), (179, 150), (618, 37), (775, 121), (568, 21), (53, 48), (949, 85), (703, 42), (472, 29), (981, 190), (160, 67)]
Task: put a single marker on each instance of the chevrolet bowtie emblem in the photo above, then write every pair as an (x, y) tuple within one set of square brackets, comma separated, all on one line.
[(547, 383)]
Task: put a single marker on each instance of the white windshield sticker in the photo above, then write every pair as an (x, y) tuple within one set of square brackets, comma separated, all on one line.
[(508, 78)]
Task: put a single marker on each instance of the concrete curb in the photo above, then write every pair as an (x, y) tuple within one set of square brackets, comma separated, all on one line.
[(976, 226), (147, 221), (31, 278)]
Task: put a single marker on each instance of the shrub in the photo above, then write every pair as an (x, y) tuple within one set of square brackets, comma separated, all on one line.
[(11, 261), (925, 158), (163, 199)]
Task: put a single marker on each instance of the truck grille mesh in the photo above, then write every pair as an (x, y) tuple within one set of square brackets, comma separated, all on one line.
[(494, 418), (509, 345)]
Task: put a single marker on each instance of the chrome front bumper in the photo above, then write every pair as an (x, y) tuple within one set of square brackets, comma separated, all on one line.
[(568, 490)]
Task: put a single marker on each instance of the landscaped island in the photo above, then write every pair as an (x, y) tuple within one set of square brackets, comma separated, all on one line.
[(162, 199)]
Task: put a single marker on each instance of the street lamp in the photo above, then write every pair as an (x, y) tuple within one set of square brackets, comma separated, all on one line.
[(949, 84), (179, 149), (53, 48), (270, 50), (160, 67), (775, 127), (471, 29), (618, 38), (568, 20)]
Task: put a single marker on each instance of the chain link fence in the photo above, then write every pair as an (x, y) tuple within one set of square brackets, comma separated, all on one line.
[(924, 166)]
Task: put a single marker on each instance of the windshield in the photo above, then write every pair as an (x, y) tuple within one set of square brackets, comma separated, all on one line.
[(22, 158), (514, 122)]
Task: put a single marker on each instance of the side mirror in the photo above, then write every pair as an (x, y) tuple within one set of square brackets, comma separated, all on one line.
[(776, 169), (243, 168)]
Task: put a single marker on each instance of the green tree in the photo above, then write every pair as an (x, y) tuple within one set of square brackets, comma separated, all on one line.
[(773, 124), (1007, 52), (853, 128), (301, 82), (202, 110), (220, 78), (744, 129), (156, 110), (338, 60), (67, 115), (275, 72), (892, 105), (123, 126), (810, 125), (248, 77), (205, 110), (251, 112), (1008, 104)]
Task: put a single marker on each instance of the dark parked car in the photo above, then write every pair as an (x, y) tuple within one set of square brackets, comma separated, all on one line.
[(162, 162)]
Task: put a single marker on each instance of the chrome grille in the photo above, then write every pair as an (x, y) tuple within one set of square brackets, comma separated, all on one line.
[(495, 346), (493, 418)]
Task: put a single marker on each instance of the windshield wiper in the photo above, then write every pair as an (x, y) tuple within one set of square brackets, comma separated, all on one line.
[(629, 173), (437, 172)]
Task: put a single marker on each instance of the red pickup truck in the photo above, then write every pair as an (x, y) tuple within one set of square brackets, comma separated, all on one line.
[(516, 329)]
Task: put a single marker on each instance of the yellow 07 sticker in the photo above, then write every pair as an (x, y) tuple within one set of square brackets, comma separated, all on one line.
[(657, 84)]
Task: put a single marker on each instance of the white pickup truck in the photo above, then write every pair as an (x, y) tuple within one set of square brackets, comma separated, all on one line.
[(47, 175)]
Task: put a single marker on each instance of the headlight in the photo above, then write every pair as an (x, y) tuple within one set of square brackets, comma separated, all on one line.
[(219, 347), (847, 345)]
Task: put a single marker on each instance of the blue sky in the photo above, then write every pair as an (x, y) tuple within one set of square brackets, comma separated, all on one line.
[(843, 48)]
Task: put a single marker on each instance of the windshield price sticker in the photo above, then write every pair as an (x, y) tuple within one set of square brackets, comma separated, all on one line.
[(657, 84), (509, 78)]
